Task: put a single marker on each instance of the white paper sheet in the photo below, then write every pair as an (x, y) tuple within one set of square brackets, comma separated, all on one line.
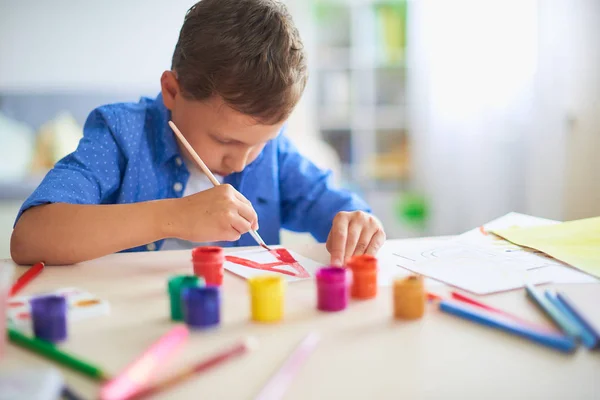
[(483, 263)]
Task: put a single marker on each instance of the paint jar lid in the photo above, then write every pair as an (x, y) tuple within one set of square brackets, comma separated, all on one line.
[(50, 306), (266, 285), (200, 294), (334, 275), (363, 262), (411, 281), (208, 254)]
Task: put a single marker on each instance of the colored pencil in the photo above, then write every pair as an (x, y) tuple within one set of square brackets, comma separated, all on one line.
[(27, 277), (278, 384), (210, 175), (203, 366), (587, 338), (49, 351), (552, 312), (487, 318), (466, 299), (578, 316), (137, 374), (434, 297)]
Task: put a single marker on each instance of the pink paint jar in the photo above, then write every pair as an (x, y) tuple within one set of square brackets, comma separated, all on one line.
[(333, 288)]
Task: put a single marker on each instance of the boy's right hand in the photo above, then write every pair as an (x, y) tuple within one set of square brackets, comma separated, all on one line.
[(217, 214)]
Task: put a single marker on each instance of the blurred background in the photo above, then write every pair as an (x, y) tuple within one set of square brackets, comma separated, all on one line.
[(443, 114)]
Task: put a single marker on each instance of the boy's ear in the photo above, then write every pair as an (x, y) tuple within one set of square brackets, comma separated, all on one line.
[(169, 88)]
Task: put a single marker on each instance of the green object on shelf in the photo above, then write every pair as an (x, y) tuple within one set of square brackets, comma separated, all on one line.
[(391, 19), (412, 208)]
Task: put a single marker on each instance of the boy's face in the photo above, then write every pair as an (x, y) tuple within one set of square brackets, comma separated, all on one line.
[(226, 140)]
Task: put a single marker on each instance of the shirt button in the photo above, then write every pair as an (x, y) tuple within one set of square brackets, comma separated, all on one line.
[(178, 161), (151, 246), (178, 187)]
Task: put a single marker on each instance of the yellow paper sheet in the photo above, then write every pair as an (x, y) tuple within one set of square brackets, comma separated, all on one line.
[(576, 243)]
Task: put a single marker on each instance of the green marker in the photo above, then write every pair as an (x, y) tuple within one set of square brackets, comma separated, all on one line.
[(48, 350)]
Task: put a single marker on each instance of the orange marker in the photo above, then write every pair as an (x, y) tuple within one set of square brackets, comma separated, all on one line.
[(364, 271)]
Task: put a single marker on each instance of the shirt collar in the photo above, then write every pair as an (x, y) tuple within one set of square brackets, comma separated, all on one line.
[(165, 142)]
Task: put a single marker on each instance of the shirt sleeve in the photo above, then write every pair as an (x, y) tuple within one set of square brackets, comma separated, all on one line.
[(89, 175), (309, 202)]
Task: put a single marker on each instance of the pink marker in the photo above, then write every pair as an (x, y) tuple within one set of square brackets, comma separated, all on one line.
[(138, 374), (278, 384)]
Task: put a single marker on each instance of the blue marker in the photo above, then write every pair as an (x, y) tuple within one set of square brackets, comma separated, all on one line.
[(553, 313), (583, 322), (482, 317), (586, 337)]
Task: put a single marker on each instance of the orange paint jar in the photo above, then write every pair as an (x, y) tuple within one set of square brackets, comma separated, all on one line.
[(364, 272)]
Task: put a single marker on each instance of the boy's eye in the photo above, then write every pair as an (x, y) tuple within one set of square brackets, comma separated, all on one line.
[(223, 141)]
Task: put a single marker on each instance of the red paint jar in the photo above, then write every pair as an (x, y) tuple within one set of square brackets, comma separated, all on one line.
[(208, 264)]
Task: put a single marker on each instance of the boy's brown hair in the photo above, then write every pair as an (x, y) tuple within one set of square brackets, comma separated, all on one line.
[(247, 51)]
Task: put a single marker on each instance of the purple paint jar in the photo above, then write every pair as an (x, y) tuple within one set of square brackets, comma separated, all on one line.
[(333, 288), (49, 317), (201, 306)]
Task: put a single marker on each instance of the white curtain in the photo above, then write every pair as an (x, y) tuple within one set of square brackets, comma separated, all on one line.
[(472, 67)]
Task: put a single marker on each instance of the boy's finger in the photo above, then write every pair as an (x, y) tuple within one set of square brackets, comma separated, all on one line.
[(366, 237), (354, 233), (240, 224), (241, 198), (247, 212), (336, 243), (376, 243)]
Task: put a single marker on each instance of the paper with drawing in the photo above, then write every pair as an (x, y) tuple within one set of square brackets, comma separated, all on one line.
[(290, 265)]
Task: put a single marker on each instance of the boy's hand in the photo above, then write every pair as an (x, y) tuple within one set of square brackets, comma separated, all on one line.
[(354, 233), (216, 214)]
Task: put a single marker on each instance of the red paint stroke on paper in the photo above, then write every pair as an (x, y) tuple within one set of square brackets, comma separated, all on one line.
[(285, 259)]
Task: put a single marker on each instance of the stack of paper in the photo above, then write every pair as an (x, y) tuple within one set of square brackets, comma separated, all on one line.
[(576, 242), (481, 262)]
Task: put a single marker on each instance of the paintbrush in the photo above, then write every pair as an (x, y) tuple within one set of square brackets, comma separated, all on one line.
[(210, 176)]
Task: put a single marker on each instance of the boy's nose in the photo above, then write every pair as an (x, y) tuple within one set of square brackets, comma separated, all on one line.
[(238, 162)]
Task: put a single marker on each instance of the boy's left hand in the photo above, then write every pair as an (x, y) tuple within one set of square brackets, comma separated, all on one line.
[(354, 233)]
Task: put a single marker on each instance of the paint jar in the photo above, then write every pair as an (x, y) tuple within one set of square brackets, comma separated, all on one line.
[(201, 306), (49, 317), (175, 286), (333, 288), (364, 276), (267, 294), (6, 276), (208, 263), (409, 297)]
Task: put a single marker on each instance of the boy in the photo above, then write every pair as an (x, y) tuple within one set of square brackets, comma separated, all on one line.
[(238, 70)]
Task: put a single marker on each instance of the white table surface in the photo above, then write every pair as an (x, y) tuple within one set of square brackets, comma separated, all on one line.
[(363, 353)]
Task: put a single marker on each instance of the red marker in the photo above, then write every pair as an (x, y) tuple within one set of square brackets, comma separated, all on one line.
[(466, 299), (26, 278)]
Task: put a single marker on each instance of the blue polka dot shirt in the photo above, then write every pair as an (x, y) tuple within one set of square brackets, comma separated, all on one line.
[(129, 154)]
